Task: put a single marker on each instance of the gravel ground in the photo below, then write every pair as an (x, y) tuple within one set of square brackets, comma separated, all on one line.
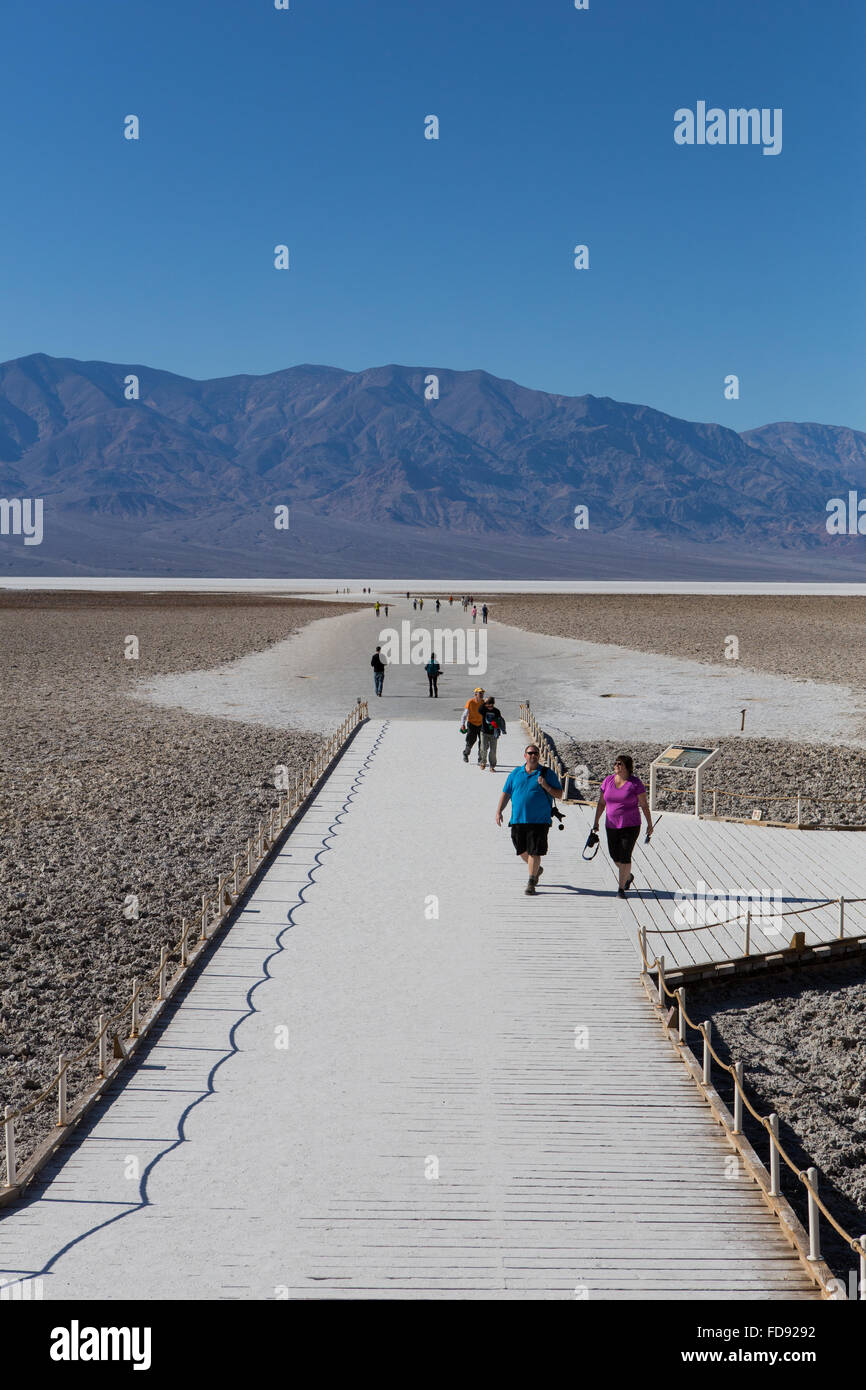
[(802, 1040), (103, 796)]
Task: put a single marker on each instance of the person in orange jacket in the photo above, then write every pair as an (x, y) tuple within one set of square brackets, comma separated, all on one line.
[(474, 720)]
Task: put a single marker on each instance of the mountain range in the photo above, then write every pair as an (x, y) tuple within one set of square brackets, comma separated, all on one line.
[(380, 480)]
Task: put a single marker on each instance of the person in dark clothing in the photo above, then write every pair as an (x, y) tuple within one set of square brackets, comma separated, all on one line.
[(492, 726), (484, 611), (378, 664), (433, 670)]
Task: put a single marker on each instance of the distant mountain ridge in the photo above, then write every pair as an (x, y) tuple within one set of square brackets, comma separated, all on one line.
[(365, 452)]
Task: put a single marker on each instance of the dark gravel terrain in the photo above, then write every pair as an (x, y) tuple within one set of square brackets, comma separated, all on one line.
[(102, 796)]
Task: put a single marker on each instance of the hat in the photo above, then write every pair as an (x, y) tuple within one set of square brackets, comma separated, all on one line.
[(479, 690)]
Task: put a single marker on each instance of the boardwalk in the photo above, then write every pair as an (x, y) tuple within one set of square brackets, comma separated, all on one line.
[(431, 1129), (789, 869)]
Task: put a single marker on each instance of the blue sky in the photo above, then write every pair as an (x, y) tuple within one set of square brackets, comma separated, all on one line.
[(307, 127)]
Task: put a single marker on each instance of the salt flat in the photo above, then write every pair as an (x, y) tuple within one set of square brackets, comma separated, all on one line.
[(592, 690)]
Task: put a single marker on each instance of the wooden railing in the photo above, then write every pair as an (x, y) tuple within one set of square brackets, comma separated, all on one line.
[(809, 1249), (196, 934)]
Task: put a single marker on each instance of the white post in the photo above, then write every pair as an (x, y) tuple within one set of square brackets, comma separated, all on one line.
[(862, 1269), (748, 934), (841, 918), (133, 1032), (652, 799), (61, 1093), (738, 1098), (708, 1059), (163, 957), (9, 1126), (236, 875), (103, 1046), (681, 1001), (773, 1122), (249, 858), (644, 963), (183, 942), (814, 1231), (662, 981), (799, 809), (715, 794), (699, 788)]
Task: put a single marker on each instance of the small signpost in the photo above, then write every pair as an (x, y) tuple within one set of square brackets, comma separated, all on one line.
[(695, 760)]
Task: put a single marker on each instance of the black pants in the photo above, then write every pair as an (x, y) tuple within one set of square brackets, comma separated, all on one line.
[(433, 682), (620, 843), (472, 737)]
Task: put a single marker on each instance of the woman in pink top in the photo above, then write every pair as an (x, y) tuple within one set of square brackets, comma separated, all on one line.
[(623, 796)]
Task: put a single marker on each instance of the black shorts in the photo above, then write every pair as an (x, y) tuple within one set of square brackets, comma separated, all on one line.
[(529, 839), (620, 843)]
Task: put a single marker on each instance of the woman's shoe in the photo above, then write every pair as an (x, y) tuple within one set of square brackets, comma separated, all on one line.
[(620, 892), (628, 883)]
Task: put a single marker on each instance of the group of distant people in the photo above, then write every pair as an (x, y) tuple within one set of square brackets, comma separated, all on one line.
[(533, 789)]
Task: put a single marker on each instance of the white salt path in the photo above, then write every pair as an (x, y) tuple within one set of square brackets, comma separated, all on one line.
[(431, 1130), (588, 689)]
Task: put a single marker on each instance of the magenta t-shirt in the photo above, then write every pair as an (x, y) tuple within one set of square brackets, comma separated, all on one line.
[(621, 802)]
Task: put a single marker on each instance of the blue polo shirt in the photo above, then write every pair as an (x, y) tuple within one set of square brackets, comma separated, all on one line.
[(529, 804)]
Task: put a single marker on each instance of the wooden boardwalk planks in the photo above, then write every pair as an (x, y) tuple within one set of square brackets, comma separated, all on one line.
[(432, 1130)]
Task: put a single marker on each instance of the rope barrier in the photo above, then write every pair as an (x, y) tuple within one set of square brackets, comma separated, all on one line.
[(857, 1246), (257, 850)]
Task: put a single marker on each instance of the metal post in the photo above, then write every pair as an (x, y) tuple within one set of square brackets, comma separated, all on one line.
[(841, 918), (9, 1126), (652, 796), (862, 1268), (103, 1046), (681, 1001), (799, 809), (236, 875), (133, 1033), (748, 933), (203, 929), (661, 964), (814, 1231), (699, 786), (183, 942), (163, 957), (715, 804), (708, 1057), (249, 858), (773, 1122), (61, 1093), (738, 1098), (644, 963)]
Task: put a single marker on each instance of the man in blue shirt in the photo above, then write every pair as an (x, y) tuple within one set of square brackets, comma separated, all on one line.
[(529, 789)]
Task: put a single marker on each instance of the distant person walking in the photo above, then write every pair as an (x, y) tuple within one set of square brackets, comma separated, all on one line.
[(530, 789), (623, 797), (386, 610), (421, 603), (492, 727), (484, 612), (377, 661), (377, 608), (415, 604), (434, 671), (450, 600), (474, 612), (473, 720), (437, 605)]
